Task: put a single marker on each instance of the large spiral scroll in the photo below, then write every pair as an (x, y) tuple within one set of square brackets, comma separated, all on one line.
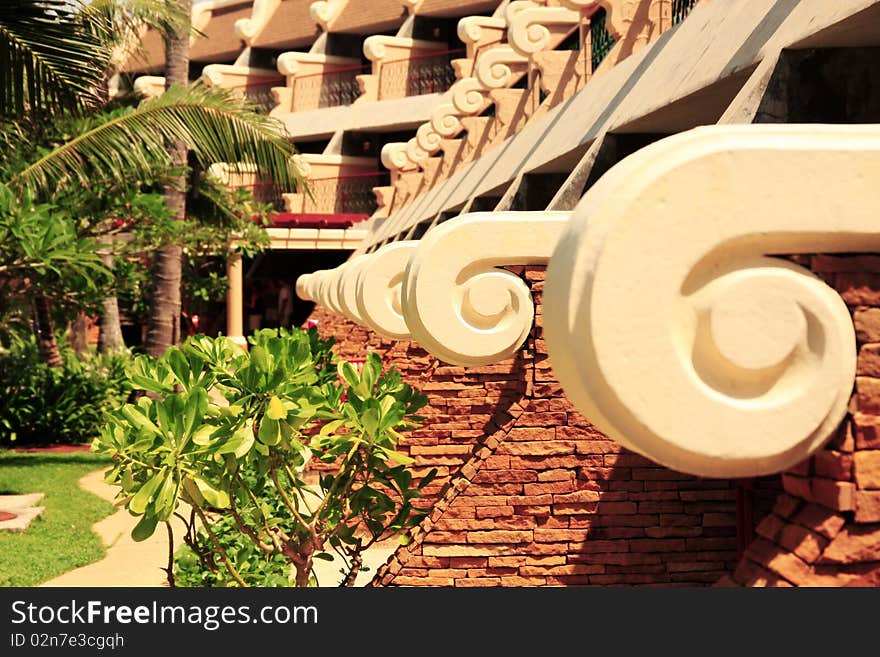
[(468, 96), (670, 327), (495, 66), (527, 30), (457, 303)]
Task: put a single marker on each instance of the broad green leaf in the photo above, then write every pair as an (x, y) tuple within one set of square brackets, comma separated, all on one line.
[(269, 432), (202, 435), (138, 419), (397, 457), (331, 427), (145, 528), (215, 497), (348, 373), (275, 409), (141, 499)]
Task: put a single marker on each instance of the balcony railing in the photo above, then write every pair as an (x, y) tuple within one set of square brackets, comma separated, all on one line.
[(258, 90), (326, 89), (426, 73), (347, 194), (601, 39), (681, 8)]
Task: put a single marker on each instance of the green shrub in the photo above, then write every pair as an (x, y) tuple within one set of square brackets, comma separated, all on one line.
[(232, 433), (43, 405)]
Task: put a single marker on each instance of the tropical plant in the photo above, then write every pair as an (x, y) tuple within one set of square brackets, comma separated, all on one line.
[(232, 434), (58, 56), (66, 404)]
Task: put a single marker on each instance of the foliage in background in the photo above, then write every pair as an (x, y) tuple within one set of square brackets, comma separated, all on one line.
[(244, 461), (43, 405), (61, 138)]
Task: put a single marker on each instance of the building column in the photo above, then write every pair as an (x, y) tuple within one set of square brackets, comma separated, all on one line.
[(235, 300)]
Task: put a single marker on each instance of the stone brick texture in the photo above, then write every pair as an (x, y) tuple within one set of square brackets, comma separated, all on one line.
[(824, 530), (529, 493)]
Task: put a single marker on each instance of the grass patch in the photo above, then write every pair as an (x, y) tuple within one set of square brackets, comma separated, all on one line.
[(61, 538)]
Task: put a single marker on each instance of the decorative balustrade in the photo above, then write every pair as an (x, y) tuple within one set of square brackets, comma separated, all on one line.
[(245, 176), (254, 84), (414, 67), (328, 89), (347, 194), (424, 73), (314, 81)]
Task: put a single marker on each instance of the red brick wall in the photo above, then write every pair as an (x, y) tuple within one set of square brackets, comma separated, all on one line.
[(530, 493), (825, 531)]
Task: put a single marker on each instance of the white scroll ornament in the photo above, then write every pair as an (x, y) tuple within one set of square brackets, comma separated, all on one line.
[(379, 281), (669, 326), (458, 304)]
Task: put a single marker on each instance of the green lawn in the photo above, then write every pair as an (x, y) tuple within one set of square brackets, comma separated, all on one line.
[(61, 538)]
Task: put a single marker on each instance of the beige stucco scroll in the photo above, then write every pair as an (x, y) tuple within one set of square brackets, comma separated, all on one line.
[(527, 25), (458, 303), (379, 282), (670, 327)]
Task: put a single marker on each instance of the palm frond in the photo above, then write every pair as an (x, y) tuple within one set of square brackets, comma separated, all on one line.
[(48, 58), (215, 125), (121, 23)]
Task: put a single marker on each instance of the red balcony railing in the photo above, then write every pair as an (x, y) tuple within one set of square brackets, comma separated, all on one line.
[(258, 90), (326, 89), (426, 73), (346, 194)]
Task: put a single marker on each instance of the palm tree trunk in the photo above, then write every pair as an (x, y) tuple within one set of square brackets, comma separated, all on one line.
[(47, 343), (78, 334), (110, 336), (163, 326)]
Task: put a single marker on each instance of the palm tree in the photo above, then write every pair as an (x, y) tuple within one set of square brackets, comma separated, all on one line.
[(163, 326), (57, 54)]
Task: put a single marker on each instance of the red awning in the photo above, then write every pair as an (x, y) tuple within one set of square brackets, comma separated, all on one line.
[(314, 220)]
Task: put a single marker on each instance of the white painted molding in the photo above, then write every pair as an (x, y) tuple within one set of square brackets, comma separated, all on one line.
[(379, 289), (290, 63), (324, 12), (494, 66), (394, 157), (228, 75), (458, 304), (376, 48), (671, 329), (248, 29), (527, 32), (470, 28), (149, 86), (468, 96)]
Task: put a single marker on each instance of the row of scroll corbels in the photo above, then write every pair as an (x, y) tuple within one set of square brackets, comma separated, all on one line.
[(530, 29), (477, 32), (666, 322)]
